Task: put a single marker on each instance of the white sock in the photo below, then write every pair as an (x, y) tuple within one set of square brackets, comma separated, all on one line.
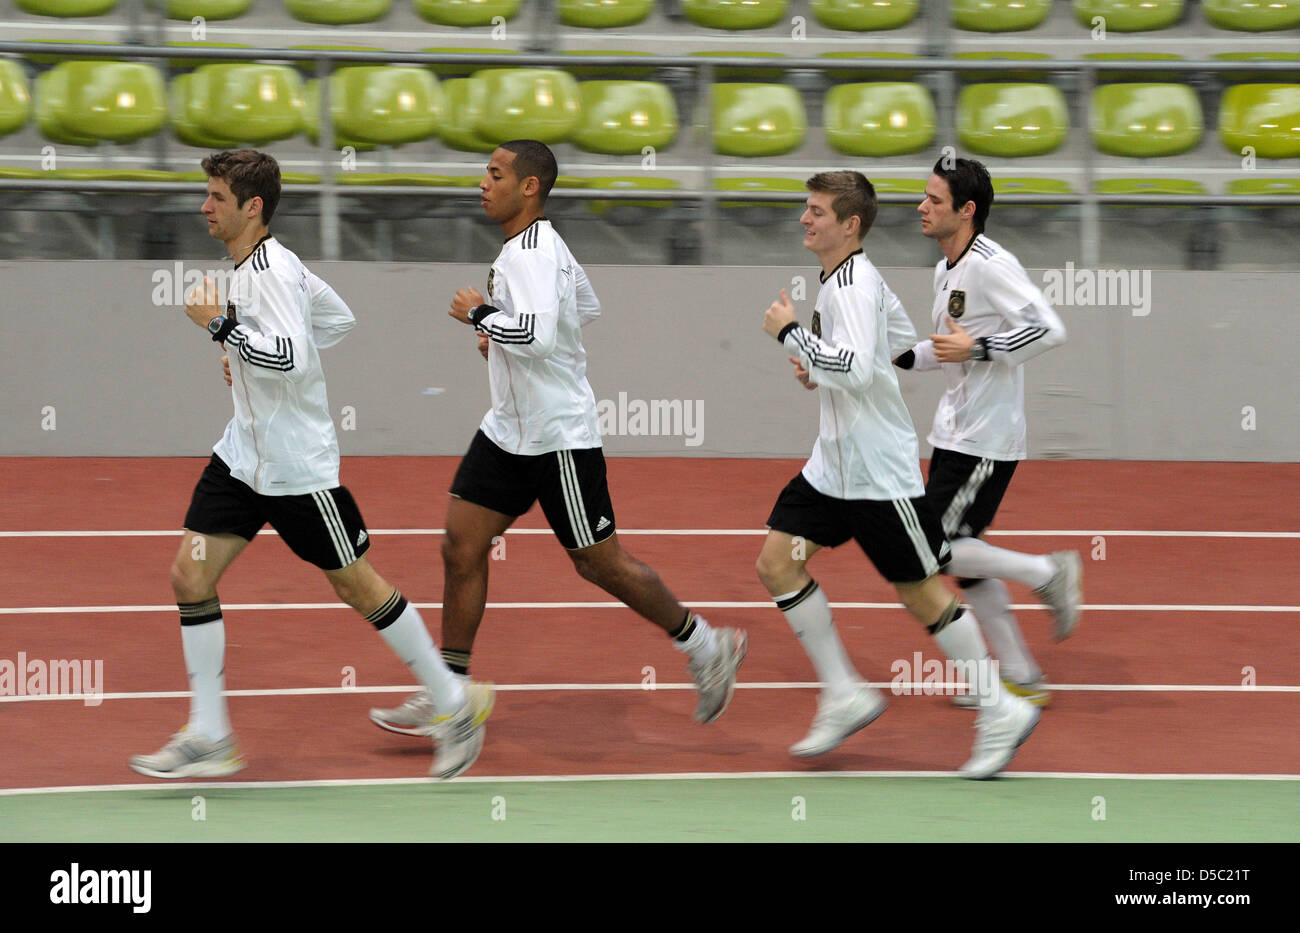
[(701, 644), (961, 640), (971, 557), (812, 623), (991, 603), (410, 640), (204, 646)]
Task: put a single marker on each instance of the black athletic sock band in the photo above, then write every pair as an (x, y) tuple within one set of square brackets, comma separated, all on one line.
[(947, 618), (458, 661), (785, 605), (967, 582), (388, 613), (686, 629), (198, 613)]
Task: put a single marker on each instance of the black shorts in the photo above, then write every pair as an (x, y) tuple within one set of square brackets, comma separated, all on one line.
[(900, 536), (965, 491), (324, 528), (570, 484)]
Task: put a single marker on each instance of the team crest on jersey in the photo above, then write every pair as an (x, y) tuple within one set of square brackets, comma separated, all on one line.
[(230, 312), (491, 278), (817, 323), (956, 304)]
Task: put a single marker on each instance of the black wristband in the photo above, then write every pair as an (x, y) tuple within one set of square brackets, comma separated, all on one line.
[(479, 312), (227, 325), (906, 360), (780, 338)]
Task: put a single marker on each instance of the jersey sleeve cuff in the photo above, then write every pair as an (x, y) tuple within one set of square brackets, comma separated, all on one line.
[(785, 332), (227, 326), (477, 314)]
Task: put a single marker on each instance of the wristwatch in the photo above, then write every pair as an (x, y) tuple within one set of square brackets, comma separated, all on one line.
[(979, 350), (220, 328), (214, 325)]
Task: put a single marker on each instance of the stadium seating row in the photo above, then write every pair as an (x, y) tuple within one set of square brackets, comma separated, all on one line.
[(85, 103), (847, 15)]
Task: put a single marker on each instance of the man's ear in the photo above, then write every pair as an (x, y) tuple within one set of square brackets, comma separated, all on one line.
[(254, 206)]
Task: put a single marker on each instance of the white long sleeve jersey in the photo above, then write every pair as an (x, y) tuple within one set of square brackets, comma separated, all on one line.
[(989, 294), (541, 400), (281, 440), (867, 446)]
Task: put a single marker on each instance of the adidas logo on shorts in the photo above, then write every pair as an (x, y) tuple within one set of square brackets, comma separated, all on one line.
[(361, 538), (602, 524)]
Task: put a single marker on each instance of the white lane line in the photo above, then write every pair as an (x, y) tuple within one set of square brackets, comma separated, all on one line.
[(899, 689), (696, 603), (592, 778), (680, 532)]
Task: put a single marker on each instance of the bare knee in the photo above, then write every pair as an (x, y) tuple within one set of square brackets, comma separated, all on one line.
[(778, 574), (461, 555), (189, 583)]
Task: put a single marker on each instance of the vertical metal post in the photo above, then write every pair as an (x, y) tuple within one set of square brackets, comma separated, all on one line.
[(329, 196), (1089, 209), (708, 223)]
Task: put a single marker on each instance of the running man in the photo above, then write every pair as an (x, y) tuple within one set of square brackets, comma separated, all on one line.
[(541, 441), (989, 319), (863, 482), (278, 462)]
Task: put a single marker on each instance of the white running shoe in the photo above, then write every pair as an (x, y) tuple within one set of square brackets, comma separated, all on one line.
[(998, 736), (1033, 690), (414, 717), (458, 738), (836, 721), (190, 755), (1063, 593), (716, 679)]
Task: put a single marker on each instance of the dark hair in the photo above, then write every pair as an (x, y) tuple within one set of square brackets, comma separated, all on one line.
[(968, 180), (250, 174), (852, 194), (534, 159)]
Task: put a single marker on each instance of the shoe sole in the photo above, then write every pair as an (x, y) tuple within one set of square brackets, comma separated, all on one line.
[(822, 750), (984, 774), (400, 730), (743, 642), (196, 770), (448, 774)]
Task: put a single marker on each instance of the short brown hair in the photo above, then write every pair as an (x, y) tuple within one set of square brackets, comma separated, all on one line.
[(852, 194), (250, 174)]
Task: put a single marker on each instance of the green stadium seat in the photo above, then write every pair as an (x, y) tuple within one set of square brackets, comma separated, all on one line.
[(743, 73), (636, 182), (864, 15), (779, 185), (899, 185), (999, 15), (208, 9), (623, 117), (464, 71), (1137, 74), (1258, 186), (757, 119), (15, 99), (1265, 117), (337, 12), (1012, 120), (1149, 186), (879, 119), (1129, 15), (1252, 15), (1031, 186), (466, 12), (464, 100), (977, 76), (735, 14), (1145, 120), (1245, 77), (532, 103), (66, 8), (365, 179), (861, 74), (225, 105), (86, 103), (609, 71), (604, 14), (377, 105)]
